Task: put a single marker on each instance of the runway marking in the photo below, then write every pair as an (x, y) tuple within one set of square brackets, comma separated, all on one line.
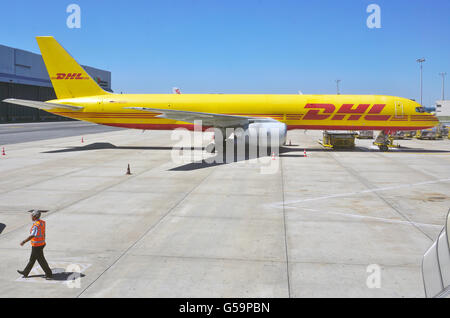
[(373, 218), (392, 205), (294, 202), (14, 127), (285, 231), (401, 150)]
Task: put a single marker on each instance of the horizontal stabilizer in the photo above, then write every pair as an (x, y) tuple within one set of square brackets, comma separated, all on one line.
[(40, 105)]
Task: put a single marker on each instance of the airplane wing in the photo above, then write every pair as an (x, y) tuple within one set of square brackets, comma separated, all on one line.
[(208, 119), (40, 105)]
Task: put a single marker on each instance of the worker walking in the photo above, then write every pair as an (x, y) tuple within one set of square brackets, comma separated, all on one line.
[(37, 238)]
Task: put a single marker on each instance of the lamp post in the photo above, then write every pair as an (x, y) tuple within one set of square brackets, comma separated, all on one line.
[(443, 83), (337, 86), (420, 61)]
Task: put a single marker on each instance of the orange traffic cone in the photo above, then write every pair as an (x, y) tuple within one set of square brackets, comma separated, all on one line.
[(273, 156), (128, 170), (304, 153), (3, 152), (82, 140)]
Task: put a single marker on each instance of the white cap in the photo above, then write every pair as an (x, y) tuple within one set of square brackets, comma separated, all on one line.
[(36, 213)]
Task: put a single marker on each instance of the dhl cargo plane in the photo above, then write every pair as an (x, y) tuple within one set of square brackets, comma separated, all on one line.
[(79, 97)]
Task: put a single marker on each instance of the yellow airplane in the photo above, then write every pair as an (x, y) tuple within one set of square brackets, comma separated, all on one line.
[(79, 97)]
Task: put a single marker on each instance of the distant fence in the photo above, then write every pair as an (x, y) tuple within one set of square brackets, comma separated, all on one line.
[(18, 114)]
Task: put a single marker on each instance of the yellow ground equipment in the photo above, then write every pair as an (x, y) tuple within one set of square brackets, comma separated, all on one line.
[(338, 139), (399, 135), (430, 134), (365, 134), (445, 131), (409, 133)]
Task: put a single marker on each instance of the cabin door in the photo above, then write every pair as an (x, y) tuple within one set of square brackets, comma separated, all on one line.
[(398, 109)]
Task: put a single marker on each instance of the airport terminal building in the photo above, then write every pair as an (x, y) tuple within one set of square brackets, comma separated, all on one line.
[(23, 75), (443, 110)]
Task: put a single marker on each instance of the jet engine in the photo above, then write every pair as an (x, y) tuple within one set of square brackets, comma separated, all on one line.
[(270, 134), (265, 134)]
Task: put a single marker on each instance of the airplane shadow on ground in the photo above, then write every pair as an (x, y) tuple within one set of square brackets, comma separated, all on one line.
[(107, 145), (2, 227), (221, 159)]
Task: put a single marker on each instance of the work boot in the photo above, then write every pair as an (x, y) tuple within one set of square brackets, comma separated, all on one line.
[(23, 274)]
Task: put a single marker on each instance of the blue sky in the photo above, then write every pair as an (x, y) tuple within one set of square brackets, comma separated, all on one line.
[(248, 46)]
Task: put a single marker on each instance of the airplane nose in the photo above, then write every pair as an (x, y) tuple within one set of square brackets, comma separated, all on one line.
[(435, 118)]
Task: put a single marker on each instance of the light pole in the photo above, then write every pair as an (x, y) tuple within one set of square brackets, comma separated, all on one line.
[(443, 83), (337, 86), (420, 61)]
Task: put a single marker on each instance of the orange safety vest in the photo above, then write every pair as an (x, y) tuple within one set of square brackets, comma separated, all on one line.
[(39, 239)]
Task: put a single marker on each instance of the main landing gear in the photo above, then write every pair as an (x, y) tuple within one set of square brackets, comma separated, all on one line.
[(220, 135)]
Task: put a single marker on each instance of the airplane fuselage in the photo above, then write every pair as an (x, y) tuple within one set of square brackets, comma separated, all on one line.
[(323, 112)]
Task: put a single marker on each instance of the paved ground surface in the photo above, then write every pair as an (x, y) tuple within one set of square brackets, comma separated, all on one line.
[(291, 227), (17, 133)]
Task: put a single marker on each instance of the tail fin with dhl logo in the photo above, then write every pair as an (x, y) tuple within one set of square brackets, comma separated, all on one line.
[(69, 79)]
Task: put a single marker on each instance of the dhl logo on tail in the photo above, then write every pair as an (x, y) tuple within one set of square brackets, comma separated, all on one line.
[(69, 76)]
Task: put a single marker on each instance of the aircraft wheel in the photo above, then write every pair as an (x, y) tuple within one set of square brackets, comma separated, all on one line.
[(384, 148)]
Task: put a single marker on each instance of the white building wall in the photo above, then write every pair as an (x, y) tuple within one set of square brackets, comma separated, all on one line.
[(443, 110)]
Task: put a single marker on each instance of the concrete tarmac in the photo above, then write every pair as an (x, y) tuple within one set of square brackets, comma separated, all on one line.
[(315, 226)]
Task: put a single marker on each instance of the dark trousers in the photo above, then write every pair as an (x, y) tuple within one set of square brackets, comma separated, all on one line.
[(37, 253)]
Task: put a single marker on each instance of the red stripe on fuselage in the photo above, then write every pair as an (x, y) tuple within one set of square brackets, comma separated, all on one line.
[(333, 127), (290, 127), (155, 126)]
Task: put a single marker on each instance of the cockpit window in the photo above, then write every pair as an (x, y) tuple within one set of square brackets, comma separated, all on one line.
[(420, 109)]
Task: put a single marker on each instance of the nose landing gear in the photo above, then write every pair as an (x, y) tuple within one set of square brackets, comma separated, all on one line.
[(384, 141)]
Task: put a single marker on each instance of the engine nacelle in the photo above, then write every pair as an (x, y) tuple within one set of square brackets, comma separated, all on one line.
[(269, 134)]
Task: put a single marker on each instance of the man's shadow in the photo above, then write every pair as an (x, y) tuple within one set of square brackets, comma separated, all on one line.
[(59, 274)]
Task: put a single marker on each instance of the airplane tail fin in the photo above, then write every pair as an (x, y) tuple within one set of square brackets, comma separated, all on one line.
[(69, 79)]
